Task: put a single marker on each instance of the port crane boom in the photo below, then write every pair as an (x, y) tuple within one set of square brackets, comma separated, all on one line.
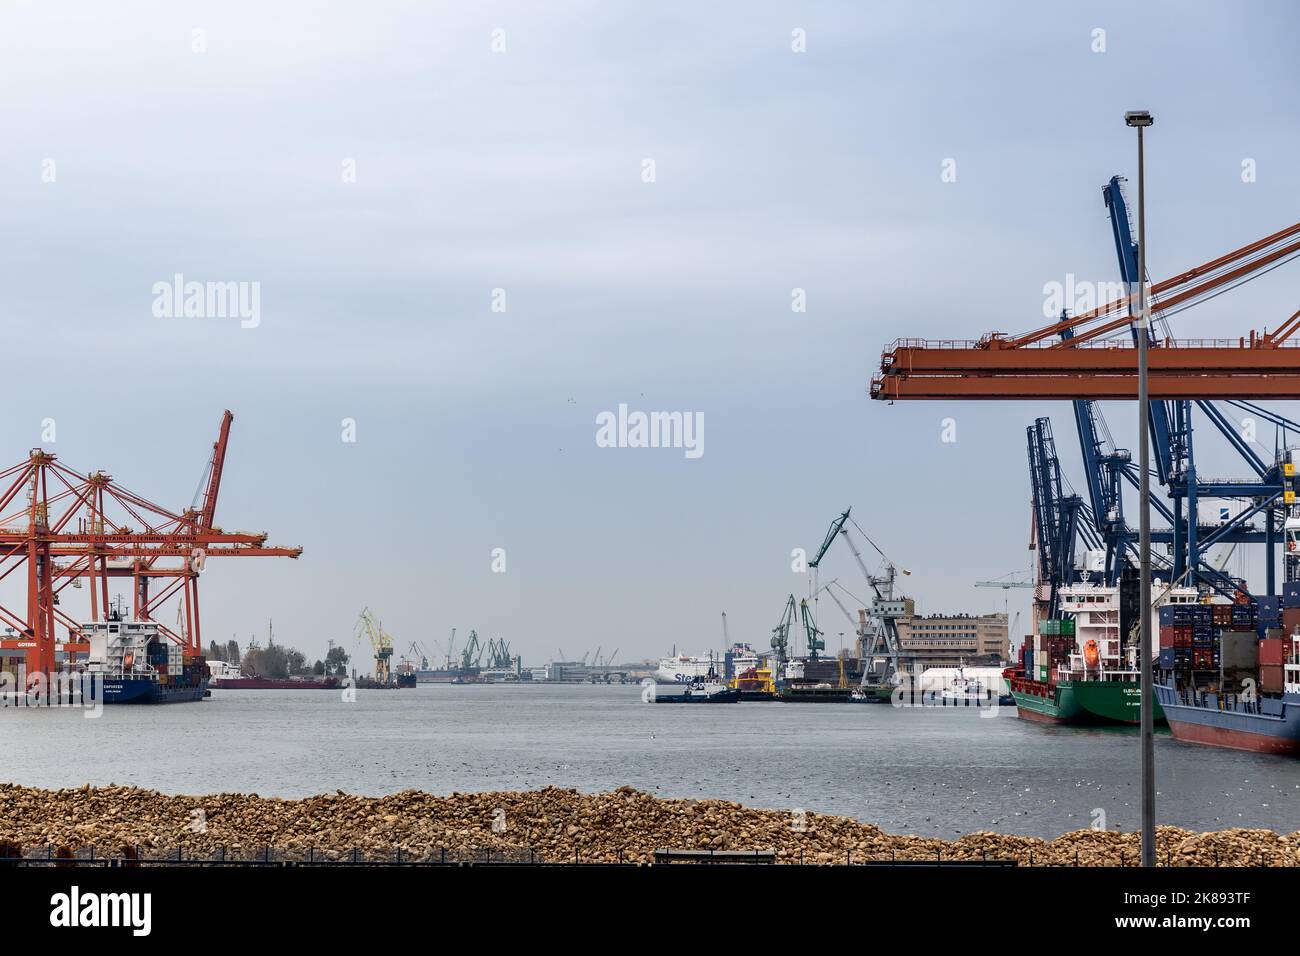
[(885, 609), (1073, 358)]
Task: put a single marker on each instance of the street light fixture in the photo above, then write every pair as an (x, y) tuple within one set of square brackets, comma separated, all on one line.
[(1141, 119)]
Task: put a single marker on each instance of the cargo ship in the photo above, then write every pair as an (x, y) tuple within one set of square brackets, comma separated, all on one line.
[(447, 675), (1262, 716), (139, 665), (226, 676), (1077, 669)]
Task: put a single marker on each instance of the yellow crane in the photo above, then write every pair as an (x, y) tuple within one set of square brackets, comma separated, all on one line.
[(380, 640)]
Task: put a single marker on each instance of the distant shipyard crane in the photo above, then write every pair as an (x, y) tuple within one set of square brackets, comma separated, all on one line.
[(781, 633), (812, 635), (72, 526), (857, 625), (417, 653), (473, 652), (498, 653), (885, 608), (381, 642)]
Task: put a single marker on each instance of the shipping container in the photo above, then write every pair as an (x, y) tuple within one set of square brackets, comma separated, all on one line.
[(1270, 678), (1272, 652)]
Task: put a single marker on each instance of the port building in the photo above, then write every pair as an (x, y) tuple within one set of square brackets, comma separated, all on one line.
[(944, 640)]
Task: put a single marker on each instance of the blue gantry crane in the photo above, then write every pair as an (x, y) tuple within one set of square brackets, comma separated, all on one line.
[(1061, 519)]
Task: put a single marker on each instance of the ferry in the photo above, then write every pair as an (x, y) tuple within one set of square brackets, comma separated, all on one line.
[(684, 669)]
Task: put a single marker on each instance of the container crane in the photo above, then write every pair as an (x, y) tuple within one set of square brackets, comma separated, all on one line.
[(1072, 358), (1100, 522), (67, 525)]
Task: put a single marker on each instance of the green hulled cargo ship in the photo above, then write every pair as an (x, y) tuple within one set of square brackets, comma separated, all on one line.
[(1077, 669), (1078, 701)]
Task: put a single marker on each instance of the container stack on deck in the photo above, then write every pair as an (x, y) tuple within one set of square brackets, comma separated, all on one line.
[(1051, 646), (1223, 645)]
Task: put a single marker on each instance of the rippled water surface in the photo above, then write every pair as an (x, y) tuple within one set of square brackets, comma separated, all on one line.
[(933, 771)]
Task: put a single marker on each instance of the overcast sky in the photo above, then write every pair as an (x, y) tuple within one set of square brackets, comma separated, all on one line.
[(380, 169)]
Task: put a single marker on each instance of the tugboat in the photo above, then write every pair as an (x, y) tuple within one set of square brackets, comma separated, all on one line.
[(140, 665), (965, 691)]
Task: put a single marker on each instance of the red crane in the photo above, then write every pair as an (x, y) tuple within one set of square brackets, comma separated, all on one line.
[(1073, 359), (72, 527)]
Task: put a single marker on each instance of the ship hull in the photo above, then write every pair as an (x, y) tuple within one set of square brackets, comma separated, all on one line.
[(258, 683), (1114, 701), (1234, 730), (816, 695), (717, 697), (1080, 702), (443, 676), (123, 690)]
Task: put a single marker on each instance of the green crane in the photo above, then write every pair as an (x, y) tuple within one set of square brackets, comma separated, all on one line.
[(781, 633), (470, 656), (813, 635)]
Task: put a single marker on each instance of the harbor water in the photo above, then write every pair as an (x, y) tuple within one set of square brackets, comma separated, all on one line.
[(931, 772)]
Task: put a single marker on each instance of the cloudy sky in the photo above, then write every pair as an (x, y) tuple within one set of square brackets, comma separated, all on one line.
[(380, 169)]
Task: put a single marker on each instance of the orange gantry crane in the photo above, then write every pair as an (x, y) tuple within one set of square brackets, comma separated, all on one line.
[(72, 527), (1093, 355)]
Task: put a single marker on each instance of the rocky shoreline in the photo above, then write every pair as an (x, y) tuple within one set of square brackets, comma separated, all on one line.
[(551, 824)]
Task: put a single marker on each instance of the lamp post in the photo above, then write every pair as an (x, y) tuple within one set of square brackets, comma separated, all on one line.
[(1141, 119)]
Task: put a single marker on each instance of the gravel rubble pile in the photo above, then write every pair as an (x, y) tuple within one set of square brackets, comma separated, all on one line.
[(551, 824)]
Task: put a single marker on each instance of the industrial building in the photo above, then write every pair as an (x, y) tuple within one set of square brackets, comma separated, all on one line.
[(940, 640)]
